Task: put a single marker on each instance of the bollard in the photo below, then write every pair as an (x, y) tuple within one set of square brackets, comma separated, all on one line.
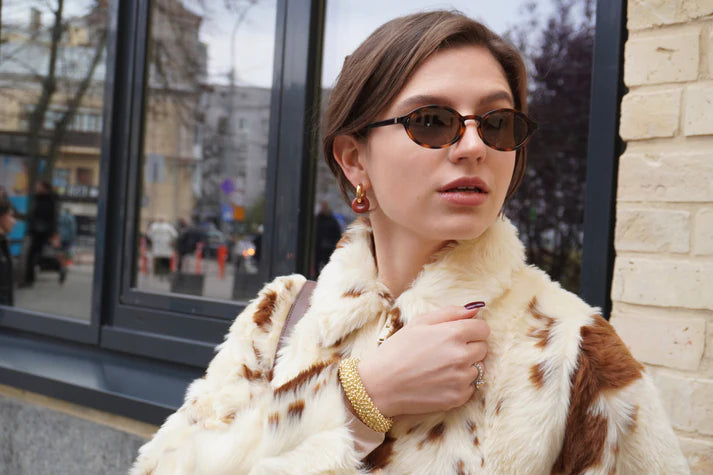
[(143, 260), (222, 257)]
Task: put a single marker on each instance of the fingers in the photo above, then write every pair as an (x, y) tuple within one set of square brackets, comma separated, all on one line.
[(447, 314), (477, 351), (460, 321), (471, 330), (465, 355)]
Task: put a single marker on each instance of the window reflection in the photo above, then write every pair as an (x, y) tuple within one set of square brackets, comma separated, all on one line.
[(52, 57), (205, 148)]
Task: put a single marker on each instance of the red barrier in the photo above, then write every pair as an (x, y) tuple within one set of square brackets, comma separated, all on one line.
[(143, 260), (222, 255)]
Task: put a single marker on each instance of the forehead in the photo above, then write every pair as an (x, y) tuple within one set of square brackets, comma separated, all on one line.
[(465, 76)]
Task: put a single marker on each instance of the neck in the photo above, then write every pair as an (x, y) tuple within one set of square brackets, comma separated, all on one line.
[(400, 255)]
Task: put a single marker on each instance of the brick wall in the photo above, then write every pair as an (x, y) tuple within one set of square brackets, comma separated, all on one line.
[(663, 275)]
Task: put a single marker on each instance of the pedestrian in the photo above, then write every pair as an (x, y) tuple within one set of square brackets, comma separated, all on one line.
[(67, 236), (430, 345), (326, 236), (7, 222), (41, 227), (163, 236), (188, 239)]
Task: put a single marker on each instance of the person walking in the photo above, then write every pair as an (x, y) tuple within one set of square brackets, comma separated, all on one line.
[(7, 222), (188, 240), (67, 235), (326, 236), (42, 227), (163, 236)]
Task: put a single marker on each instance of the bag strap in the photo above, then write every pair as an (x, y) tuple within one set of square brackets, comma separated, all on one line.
[(297, 311)]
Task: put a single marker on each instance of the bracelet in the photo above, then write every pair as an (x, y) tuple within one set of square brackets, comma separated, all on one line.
[(358, 397)]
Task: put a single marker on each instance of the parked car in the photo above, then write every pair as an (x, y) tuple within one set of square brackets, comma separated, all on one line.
[(215, 238), (245, 251)]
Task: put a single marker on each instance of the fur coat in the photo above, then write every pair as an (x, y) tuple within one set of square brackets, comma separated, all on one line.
[(562, 394)]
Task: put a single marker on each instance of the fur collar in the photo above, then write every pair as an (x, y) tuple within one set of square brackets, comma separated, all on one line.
[(481, 269)]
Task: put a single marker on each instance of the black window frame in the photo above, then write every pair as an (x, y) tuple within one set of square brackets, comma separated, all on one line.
[(182, 328), (603, 151), (63, 327), (148, 333)]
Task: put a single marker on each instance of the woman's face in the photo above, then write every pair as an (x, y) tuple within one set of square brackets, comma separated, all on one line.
[(412, 187)]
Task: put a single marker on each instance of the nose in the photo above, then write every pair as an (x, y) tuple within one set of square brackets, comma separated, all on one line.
[(470, 145)]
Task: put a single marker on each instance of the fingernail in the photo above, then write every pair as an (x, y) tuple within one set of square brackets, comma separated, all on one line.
[(472, 305)]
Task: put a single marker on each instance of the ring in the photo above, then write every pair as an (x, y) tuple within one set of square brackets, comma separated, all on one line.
[(479, 381)]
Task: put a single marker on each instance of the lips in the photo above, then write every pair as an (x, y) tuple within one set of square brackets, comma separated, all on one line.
[(465, 185), (465, 191)]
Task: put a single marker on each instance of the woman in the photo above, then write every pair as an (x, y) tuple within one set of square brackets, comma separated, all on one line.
[(7, 222), (67, 230), (389, 369), (42, 228)]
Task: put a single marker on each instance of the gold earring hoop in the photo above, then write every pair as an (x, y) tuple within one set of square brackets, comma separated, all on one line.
[(360, 204)]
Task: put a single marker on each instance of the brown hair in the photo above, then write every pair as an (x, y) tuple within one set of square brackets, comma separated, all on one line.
[(374, 74), (5, 204)]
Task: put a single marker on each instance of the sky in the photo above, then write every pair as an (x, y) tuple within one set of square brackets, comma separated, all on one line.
[(348, 23)]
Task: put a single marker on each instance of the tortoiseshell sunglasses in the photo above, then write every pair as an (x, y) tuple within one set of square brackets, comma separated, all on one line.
[(436, 126)]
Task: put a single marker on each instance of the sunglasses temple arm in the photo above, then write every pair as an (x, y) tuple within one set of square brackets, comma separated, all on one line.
[(381, 123)]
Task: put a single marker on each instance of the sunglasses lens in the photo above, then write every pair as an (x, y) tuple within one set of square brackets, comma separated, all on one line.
[(504, 129), (433, 126)]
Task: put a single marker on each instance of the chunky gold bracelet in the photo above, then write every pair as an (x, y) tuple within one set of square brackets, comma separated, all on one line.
[(358, 397)]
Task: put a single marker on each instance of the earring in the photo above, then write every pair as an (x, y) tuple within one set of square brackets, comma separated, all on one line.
[(360, 204)]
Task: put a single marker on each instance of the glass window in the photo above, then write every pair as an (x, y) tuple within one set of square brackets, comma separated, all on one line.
[(52, 57), (556, 40), (200, 217)]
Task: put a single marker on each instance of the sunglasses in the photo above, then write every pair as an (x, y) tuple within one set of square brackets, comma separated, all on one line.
[(440, 127)]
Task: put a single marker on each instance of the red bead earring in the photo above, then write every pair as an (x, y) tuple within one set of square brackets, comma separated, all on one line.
[(360, 204)]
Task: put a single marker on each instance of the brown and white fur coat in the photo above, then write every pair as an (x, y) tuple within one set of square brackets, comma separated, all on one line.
[(562, 393)]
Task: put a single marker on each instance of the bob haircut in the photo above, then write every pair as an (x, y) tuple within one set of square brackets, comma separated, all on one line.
[(380, 67)]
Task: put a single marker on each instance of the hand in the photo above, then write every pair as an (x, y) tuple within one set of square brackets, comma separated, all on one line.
[(427, 366)]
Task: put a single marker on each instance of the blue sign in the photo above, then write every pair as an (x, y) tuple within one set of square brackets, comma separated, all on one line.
[(226, 211)]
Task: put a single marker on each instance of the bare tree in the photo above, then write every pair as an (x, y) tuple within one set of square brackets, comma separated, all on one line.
[(52, 79), (549, 207)]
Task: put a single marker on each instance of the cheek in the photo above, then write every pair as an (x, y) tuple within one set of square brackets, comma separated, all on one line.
[(504, 171), (400, 180), (390, 169)]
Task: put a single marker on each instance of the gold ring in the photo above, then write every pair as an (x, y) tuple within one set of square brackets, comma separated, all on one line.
[(479, 381)]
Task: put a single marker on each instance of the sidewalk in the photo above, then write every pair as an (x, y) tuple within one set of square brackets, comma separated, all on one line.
[(73, 298)]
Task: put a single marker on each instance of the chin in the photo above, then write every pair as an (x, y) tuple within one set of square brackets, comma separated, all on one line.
[(464, 232), (464, 226)]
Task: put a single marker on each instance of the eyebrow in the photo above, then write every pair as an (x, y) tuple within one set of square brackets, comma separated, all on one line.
[(423, 99)]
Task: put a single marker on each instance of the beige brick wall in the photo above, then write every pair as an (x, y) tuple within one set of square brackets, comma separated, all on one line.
[(663, 275)]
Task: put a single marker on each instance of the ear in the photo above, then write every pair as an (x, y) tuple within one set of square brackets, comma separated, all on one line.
[(350, 154)]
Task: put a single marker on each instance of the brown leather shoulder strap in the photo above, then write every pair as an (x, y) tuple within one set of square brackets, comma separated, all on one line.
[(298, 309)]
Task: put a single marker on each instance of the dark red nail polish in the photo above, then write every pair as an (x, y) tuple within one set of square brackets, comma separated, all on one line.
[(472, 305)]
